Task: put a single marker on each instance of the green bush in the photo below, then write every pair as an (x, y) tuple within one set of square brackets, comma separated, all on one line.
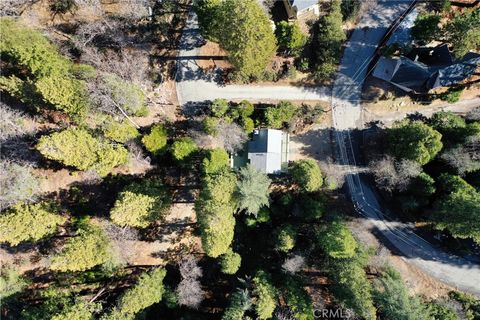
[(28, 222), (262, 216), (140, 204), (11, 282), (230, 262), (120, 131), (215, 161), (156, 140), (210, 126), (240, 301), (183, 148), (312, 206), (248, 125), (78, 148), (307, 174), (290, 37), (297, 299), (266, 295), (87, 249), (81, 310), (286, 238), (219, 107), (337, 241), (452, 95), (279, 116)]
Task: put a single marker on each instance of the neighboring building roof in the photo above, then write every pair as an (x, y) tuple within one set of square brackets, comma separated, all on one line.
[(411, 75), (303, 4), (266, 151)]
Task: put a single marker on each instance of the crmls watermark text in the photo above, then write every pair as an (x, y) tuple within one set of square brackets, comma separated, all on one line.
[(332, 314)]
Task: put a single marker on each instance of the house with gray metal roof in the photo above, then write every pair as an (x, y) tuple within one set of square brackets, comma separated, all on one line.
[(268, 151), (295, 8)]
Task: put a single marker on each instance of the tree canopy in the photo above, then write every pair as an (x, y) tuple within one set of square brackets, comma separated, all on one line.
[(266, 295), (28, 222), (230, 262), (156, 140), (307, 174), (414, 141), (337, 241), (252, 190), (290, 38), (463, 32), (183, 148)]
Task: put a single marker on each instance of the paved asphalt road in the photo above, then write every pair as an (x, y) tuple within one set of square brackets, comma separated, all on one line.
[(194, 86)]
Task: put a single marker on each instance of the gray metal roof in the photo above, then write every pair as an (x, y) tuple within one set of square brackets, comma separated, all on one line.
[(303, 4), (265, 150)]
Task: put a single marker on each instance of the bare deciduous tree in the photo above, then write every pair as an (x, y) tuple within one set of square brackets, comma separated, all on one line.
[(13, 7), (464, 158), (121, 240), (393, 175), (11, 122), (231, 136), (293, 264), (17, 183), (189, 290)]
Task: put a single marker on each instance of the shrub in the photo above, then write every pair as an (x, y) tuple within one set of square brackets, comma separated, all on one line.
[(248, 125), (140, 204), (279, 116), (210, 126), (156, 140), (120, 131), (28, 222), (219, 107), (452, 95), (266, 295), (245, 109), (78, 148), (230, 262), (312, 207), (87, 249), (286, 238), (337, 241), (240, 301), (307, 174), (11, 282), (81, 310), (252, 190), (183, 148), (289, 37), (215, 160)]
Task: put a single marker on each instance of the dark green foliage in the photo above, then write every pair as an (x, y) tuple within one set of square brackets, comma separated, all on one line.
[(215, 161), (87, 249), (307, 174), (240, 301), (80, 310), (11, 282), (63, 6), (78, 148), (330, 37), (208, 12), (290, 38), (450, 125), (286, 238), (210, 126), (441, 312), (470, 304), (351, 286), (262, 216), (156, 140), (230, 262), (215, 209), (140, 204), (463, 32), (28, 222), (459, 210), (279, 116), (252, 190), (393, 301), (247, 36), (452, 95), (426, 28), (266, 295), (183, 148), (414, 141), (297, 299), (312, 207), (350, 9), (219, 107)]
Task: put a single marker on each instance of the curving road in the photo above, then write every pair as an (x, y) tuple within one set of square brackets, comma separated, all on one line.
[(194, 86)]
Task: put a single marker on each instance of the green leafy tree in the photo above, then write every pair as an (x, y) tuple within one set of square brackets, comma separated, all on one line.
[(266, 295), (426, 27), (120, 131), (149, 287), (247, 36), (81, 310), (230, 262), (286, 238), (208, 12), (351, 286), (240, 301), (183, 148), (78, 148), (414, 141), (453, 127), (337, 241), (463, 32), (140, 204), (279, 116), (210, 125), (28, 222), (328, 44), (289, 37), (459, 210), (215, 161), (245, 108), (11, 282), (312, 206), (297, 299), (393, 301), (215, 209), (307, 174), (248, 125), (87, 249), (156, 140), (252, 190), (219, 107)]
